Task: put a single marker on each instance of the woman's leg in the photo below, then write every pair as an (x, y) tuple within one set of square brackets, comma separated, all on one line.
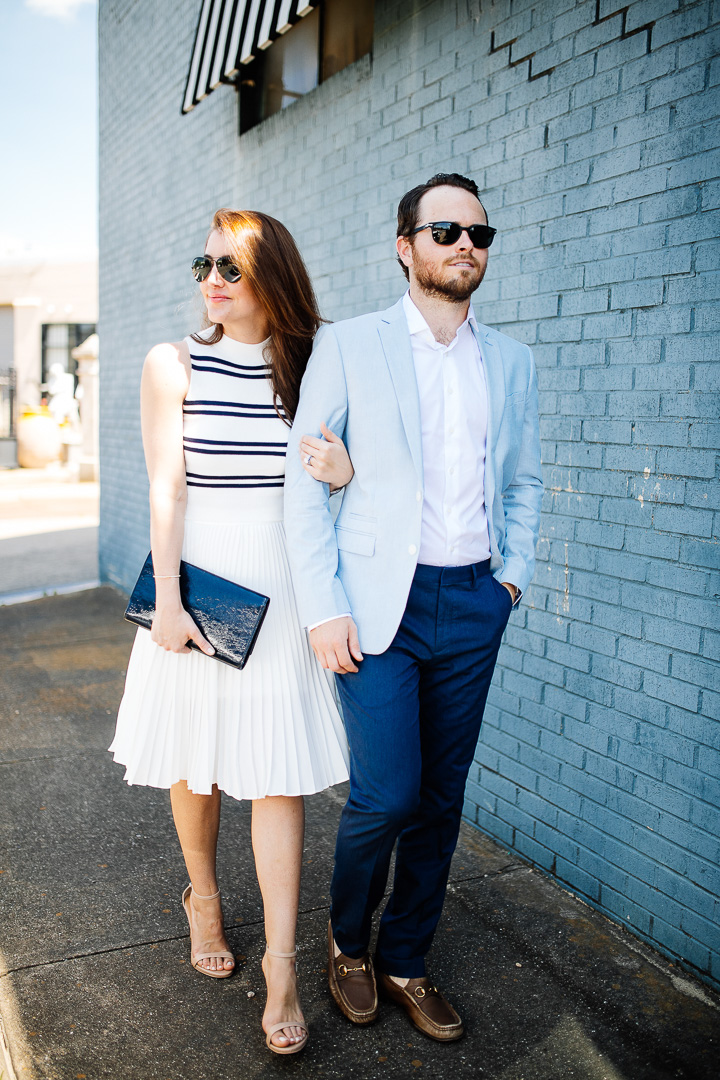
[(278, 829), (197, 820)]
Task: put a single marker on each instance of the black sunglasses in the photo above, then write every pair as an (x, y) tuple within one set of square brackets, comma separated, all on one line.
[(227, 268), (449, 232)]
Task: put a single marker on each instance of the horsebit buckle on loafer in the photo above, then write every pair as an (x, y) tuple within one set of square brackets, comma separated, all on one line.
[(344, 970)]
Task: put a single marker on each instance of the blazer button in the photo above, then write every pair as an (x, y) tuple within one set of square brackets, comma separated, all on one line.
[(412, 549)]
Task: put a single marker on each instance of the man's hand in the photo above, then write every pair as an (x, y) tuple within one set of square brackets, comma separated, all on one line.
[(335, 644), (512, 589)]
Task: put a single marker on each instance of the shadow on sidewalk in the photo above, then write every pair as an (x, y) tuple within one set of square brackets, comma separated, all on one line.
[(95, 980)]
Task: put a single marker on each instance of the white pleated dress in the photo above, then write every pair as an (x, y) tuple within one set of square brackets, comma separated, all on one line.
[(272, 728)]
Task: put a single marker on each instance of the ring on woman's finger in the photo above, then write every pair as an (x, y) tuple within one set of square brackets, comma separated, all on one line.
[(308, 459)]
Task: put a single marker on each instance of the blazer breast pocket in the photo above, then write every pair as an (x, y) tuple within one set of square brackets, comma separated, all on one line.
[(361, 523), (359, 543)]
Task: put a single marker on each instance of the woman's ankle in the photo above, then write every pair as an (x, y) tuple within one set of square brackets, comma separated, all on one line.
[(200, 895)]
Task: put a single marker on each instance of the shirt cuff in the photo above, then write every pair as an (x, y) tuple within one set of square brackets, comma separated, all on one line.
[(343, 615)]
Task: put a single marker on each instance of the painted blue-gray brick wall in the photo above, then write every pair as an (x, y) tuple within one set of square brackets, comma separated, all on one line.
[(592, 131)]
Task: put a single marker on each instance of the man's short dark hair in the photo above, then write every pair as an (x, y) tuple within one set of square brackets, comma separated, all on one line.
[(409, 204)]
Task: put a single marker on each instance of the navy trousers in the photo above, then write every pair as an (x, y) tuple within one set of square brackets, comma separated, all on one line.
[(413, 717)]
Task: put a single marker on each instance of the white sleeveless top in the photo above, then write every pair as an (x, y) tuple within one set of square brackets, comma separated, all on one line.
[(234, 440)]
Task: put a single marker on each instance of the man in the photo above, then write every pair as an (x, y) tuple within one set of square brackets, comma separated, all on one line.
[(408, 593)]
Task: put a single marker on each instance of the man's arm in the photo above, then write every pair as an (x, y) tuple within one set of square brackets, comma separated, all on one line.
[(309, 526), (522, 498)]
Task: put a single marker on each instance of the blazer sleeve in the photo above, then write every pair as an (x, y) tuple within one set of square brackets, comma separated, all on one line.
[(522, 496), (309, 526)]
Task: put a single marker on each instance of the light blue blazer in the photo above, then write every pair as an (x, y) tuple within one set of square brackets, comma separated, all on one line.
[(361, 381)]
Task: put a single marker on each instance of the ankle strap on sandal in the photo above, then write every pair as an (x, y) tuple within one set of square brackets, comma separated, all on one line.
[(282, 955), (214, 895)]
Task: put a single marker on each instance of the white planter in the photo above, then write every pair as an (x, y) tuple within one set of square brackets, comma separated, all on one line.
[(38, 440)]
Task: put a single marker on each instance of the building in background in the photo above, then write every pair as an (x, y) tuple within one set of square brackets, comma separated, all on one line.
[(46, 311), (591, 128)]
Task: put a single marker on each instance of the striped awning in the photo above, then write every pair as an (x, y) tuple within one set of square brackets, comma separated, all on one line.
[(230, 33)]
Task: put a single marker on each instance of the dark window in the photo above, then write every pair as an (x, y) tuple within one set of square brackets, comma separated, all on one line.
[(347, 34), (58, 341), (291, 65), (333, 35)]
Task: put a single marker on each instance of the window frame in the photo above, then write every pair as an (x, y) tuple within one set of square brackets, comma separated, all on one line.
[(77, 333), (250, 80)]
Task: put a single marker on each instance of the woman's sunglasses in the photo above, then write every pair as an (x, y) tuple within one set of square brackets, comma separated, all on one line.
[(449, 232), (227, 268)]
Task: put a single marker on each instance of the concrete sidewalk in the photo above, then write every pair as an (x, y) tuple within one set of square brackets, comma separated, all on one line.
[(95, 980), (48, 532)]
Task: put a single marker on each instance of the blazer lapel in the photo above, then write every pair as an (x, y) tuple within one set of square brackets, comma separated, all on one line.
[(495, 380), (395, 340)]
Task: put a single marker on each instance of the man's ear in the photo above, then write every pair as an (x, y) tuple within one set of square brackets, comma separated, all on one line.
[(404, 250)]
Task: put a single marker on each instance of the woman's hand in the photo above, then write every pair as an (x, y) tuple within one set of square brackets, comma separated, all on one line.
[(173, 627), (328, 461)]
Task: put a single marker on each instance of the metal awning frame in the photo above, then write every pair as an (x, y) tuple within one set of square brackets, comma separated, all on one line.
[(230, 34)]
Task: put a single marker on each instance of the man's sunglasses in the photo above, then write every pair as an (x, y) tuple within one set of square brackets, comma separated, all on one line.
[(449, 232), (226, 266)]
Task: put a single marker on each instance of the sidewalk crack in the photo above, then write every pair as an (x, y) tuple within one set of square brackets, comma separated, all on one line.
[(138, 945)]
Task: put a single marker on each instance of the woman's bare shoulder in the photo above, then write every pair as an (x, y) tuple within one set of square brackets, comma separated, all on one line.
[(168, 352), (168, 364), (168, 356)]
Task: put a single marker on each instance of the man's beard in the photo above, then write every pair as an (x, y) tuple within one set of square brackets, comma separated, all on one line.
[(456, 290)]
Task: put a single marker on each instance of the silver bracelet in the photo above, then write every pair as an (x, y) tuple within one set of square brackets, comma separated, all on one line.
[(162, 577)]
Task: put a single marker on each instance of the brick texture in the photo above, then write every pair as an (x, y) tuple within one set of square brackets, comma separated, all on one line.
[(592, 131)]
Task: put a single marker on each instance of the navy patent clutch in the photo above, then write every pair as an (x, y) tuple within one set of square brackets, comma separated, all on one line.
[(227, 614)]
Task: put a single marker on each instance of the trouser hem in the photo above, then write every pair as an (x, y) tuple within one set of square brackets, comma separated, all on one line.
[(405, 968)]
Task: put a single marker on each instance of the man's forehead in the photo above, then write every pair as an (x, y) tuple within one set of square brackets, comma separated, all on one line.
[(446, 202)]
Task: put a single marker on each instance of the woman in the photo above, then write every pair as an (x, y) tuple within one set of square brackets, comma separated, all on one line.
[(215, 414)]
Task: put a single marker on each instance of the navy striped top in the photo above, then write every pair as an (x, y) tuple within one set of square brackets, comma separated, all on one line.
[(232, 434)]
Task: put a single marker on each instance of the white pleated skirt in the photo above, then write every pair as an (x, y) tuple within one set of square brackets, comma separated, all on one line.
[(272, 728)]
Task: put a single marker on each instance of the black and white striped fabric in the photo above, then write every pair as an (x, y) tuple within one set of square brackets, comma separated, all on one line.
[(232, 434), (229, 34)]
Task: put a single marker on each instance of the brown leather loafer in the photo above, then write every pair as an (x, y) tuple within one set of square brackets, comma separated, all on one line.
[(427, 1008), (352, 984)]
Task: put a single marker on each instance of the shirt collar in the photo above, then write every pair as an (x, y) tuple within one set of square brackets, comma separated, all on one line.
[(417, 323)]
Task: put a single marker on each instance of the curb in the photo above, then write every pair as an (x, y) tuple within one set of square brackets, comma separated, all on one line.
[(6, 1066), (24, 597)]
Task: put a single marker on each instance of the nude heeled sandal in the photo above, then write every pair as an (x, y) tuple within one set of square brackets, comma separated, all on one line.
[(196, 958), (292, 1048)]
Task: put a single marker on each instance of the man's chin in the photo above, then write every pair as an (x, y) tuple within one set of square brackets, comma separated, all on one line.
[(458, 290)]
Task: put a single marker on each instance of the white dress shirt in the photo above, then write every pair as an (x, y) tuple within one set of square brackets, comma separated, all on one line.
[(453, 414)]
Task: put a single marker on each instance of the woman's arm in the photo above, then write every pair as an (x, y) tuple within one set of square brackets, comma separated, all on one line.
[(165, 381), (329, 460)]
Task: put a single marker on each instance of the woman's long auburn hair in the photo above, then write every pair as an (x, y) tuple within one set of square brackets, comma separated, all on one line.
[(273, 267)]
